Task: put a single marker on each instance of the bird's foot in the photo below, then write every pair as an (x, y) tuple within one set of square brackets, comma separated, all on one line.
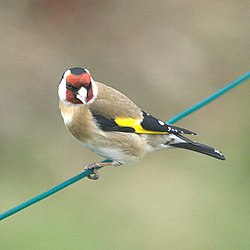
[(96, 166)]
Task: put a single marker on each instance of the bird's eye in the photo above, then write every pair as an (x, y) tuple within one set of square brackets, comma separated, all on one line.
[(69, 86)]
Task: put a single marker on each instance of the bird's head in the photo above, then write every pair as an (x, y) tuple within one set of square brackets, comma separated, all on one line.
[(77, 87)]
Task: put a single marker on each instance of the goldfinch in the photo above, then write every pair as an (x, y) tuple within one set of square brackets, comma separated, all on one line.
[(110, 124)]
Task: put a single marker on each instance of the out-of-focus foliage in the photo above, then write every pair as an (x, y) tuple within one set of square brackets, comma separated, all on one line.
[(165, 55)]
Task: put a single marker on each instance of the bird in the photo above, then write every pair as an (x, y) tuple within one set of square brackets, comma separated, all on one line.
[(108, 123)]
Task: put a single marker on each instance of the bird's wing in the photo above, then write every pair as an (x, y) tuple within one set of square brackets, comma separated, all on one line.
[(114, 111), (147, 124)]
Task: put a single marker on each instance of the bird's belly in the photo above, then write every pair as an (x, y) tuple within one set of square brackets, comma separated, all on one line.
[(110, 153), (121, 147)]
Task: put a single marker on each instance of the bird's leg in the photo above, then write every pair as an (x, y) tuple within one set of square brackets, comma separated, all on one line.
[(95, 166)]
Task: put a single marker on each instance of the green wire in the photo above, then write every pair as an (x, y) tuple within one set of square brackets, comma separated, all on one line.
[(85, 173), (210, 98)]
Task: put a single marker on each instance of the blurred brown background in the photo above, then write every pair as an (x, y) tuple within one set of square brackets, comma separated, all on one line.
[(166, 56)]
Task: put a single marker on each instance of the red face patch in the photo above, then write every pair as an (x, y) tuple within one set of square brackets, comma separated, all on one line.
[(78, 81), (71, 98)]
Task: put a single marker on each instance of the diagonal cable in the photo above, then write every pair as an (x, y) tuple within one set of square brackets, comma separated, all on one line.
[(85, 173)]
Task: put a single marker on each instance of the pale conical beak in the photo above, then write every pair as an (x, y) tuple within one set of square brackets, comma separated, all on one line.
[(82, 95)]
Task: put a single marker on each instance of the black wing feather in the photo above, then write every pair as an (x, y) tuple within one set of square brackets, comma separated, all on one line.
[(108, 124), (198, 147), (151, 123)]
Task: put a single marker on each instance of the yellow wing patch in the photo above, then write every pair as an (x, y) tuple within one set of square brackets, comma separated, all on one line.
[(136, 125)]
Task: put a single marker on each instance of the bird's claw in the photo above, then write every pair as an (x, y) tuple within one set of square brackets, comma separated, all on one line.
[(94, 175), (96, 166)]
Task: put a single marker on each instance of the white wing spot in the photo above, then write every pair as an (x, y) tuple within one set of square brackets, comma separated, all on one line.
[(161, 123), (217, 151)]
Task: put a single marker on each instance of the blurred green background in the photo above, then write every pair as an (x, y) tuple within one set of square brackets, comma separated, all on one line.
[(166, 56)]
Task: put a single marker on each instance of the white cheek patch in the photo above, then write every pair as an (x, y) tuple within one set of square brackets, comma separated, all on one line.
[(62, 87), (95, 90), (62, 91)]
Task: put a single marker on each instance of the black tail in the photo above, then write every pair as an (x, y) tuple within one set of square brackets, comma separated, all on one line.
[(198, 147)]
